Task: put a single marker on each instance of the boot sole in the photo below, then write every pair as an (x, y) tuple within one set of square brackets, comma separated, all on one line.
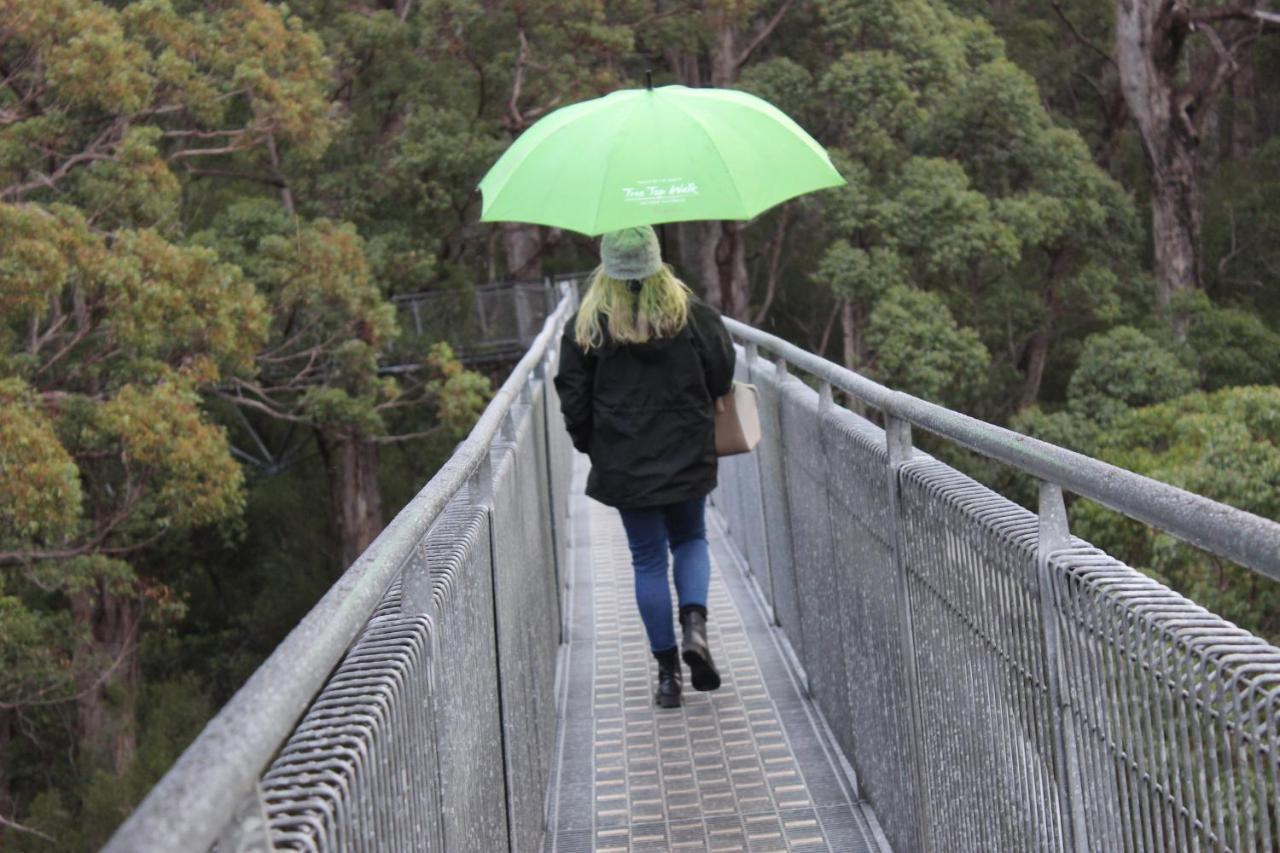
[(667, 702), (701, 673)]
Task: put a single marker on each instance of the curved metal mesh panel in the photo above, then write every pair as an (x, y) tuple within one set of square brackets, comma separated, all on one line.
[(1176, 729), (436, 731), (743, 475), (358, 772), (975, 602), (877, 739), (822, 647), (528, 623), (1132, 719), (777, 514)]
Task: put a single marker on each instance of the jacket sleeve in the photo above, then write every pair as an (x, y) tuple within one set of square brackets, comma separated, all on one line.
[(574, 381), (716, 348)]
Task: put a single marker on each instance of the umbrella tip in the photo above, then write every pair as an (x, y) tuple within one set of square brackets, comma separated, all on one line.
[(648, 79)]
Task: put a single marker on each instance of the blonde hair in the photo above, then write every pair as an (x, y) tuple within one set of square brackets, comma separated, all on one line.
[(660, 309)]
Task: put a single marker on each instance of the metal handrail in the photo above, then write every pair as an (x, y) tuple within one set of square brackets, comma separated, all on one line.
[(1240, 536), (191, 804)]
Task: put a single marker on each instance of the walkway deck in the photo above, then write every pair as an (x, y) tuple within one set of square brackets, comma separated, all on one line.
[(749, 767)]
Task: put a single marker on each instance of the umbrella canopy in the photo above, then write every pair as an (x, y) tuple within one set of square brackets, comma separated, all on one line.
[(646, 156)]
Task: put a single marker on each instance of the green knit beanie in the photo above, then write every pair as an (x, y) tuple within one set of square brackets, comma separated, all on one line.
[(631, 254)]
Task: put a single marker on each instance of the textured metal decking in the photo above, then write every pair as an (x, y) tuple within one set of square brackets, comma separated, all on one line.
[(749, 767)]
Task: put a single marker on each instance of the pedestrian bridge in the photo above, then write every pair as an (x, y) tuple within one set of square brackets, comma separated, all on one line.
[(911, 661)]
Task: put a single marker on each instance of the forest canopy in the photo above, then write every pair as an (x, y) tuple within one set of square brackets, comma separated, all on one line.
[(1061, 217)]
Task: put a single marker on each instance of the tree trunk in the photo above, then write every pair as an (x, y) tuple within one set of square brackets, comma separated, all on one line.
[(351, 464), (1037, 356), (6, 761), (1149, 47), (852, 334), (107, 677), (1175, 219), (722, 264), (524, 250)]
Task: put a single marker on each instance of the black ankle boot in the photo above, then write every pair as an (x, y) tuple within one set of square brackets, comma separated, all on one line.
[(696, 652), (668, 693)]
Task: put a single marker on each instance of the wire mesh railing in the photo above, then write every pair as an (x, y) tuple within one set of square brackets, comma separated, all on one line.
[(996, 683), (414, 708), (489, 322)]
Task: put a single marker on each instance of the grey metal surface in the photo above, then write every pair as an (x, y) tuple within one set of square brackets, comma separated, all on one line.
[(878, 738), (1239, 536), (527, 617), (822, 645), (995, 683), (396, 752), (1009, 687), (744, 768), (781, 592), (190, 807)]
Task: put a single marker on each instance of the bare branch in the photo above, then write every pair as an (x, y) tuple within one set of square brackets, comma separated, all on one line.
[(241, 400), (775, 264), (1079, 36), (1222, 71), (515, 119), (98, 149), (1265, 19), (269, 180), (763, 34), (205, 134), (13, 824), (409, 436), (209, 152)]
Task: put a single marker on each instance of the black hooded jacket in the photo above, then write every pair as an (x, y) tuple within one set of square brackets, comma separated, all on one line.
[(644, 413)]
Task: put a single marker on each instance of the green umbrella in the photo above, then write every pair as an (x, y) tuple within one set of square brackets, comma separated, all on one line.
[(647, 156)]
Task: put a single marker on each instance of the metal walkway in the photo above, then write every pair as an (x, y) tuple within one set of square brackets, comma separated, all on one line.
[(996, 683), (749, 767)]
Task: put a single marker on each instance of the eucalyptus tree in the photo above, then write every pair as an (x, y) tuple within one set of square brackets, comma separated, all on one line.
[(1171, 94), (319, 367), (111, 327), (959, 183)]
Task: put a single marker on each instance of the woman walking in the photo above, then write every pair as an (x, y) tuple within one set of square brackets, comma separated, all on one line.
[(641, 364)]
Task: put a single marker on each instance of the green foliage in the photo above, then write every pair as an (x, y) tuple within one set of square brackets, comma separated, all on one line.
[(42, 487), (173, 713), (1122, 369), (1230, 346), (960, 184), (460, 394), (206, 206), (919, 348), (1224, 445)]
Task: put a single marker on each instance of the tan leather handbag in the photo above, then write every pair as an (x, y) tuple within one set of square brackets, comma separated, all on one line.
[(737, 420)]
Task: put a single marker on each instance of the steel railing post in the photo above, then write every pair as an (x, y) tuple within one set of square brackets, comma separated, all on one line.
[(1054, 536), (897, 434), (541, 373)]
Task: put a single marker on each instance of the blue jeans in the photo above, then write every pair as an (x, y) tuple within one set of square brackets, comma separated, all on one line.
[(650, 532)]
